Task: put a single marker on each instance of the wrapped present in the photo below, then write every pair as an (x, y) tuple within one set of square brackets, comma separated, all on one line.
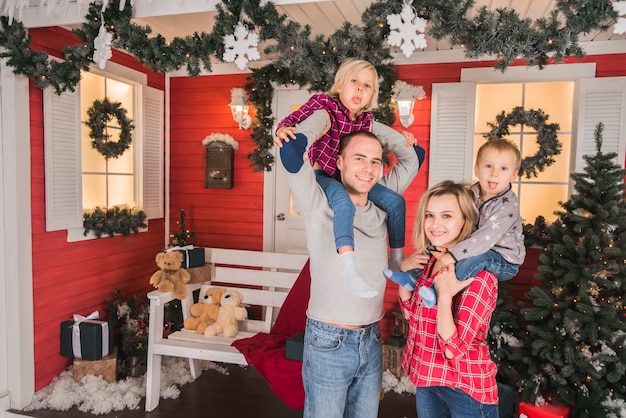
[(106, 367), (527, 410), (200, 274), (87, 337), (192, 257), (295, 347)]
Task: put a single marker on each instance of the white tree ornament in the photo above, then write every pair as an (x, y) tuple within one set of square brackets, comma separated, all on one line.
[(620, 25), (404, 30), (102, 47), (241, 47)]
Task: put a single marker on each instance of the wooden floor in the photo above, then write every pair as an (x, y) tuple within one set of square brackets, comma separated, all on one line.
[(241, 393)]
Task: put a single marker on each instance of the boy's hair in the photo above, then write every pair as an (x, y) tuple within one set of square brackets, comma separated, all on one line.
[(347, 69), (467, 202), (345, 140), (500, 145)]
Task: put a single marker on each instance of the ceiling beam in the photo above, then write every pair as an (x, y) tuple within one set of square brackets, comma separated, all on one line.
[(74, 14)]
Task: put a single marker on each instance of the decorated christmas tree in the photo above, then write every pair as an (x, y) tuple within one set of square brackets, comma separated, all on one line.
[(180, 238), (576, 329)]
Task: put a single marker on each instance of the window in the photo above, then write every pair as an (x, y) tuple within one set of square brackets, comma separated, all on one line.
[(538, 195), (569, 94), (77, 176), (107, 182)]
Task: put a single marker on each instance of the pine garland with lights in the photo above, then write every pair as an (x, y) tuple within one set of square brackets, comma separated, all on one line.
[(576, 324)]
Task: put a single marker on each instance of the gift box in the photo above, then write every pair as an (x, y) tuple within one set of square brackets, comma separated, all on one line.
[(87, 338), (192, 257), (106, 367), (527, 410), (295, 347)]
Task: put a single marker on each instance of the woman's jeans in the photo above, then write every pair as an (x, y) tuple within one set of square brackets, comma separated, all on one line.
[(342, 371), (343, 208), (447, 402)]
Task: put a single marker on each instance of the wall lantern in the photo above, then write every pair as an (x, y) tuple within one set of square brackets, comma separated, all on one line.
[(239, 108), (405, 95)]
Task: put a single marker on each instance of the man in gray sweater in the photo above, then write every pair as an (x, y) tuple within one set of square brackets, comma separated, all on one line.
[(342, 360)]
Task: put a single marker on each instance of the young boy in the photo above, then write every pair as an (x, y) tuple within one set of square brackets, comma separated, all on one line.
[(497, 244)]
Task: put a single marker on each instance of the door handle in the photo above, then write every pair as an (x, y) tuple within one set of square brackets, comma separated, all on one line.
[(280, 217)]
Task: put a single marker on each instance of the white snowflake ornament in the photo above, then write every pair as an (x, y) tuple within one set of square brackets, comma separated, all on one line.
[(102, 47), (620, 25), (405, 28), (241, 47)]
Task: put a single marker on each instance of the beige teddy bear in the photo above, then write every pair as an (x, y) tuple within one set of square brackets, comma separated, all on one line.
[(170, 277), (204, 313), (230, 313)]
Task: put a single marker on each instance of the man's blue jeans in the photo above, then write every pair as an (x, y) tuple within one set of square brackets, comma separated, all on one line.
[(342, 371), (447, 402)]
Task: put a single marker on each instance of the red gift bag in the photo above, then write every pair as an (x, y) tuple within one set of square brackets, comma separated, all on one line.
[(527, 410)]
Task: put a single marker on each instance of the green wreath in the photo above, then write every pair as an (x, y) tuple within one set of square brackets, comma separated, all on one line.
[(549, 145), (101, 112)]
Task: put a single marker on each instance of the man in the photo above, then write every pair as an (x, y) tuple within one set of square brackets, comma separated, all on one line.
[(342, 360)]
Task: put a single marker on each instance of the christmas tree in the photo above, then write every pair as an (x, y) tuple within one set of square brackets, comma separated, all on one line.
[(180, 238), (575, 325)]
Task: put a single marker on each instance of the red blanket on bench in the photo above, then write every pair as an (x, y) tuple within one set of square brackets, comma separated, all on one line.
[(266, 352)]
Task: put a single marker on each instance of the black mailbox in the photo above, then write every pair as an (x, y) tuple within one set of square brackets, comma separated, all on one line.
[(220, 158)]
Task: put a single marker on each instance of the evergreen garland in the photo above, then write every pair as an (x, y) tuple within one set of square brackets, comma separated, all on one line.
[(99, 114), (310, 62), (119, 219)]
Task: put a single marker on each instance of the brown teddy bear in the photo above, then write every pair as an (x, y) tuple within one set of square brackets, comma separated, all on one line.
[(170, 277), (231, 312), (204, 313)]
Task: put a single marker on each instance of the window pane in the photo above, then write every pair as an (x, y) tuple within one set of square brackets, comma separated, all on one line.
[(118, 91), (124, 163), (492, 99), (557, 172), (555, 99), (93, 185), (121, 190), (541, 199)]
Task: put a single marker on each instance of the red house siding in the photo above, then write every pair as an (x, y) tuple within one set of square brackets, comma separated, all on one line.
[(228, 218), (77, 277)]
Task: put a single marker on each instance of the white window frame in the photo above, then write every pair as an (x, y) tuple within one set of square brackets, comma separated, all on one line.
[(595, 100), (62, 147)]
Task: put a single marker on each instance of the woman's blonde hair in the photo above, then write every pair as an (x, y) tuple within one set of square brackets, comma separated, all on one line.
[(467, 202), (346, 70)]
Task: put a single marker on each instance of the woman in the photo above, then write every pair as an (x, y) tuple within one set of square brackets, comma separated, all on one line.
[(446, 355)]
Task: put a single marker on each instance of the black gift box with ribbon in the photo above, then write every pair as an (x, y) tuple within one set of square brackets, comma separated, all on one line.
[(87, 338), (192, 257)]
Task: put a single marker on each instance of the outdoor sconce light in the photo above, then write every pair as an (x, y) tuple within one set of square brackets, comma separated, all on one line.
[(405, 95), (239, 108)]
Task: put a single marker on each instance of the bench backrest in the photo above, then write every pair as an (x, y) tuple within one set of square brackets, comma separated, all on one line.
[(264, 279)]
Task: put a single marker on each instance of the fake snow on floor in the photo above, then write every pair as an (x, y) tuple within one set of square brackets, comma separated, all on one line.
[(96, 396)]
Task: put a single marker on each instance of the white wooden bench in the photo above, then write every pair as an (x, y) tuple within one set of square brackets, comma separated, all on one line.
[(266, 279)]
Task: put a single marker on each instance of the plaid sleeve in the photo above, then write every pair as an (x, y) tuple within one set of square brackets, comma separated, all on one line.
[(315, 102), (472, 310)]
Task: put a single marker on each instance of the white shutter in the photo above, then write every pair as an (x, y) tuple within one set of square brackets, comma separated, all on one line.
[(601, 100), (64, 209), (153, 153), (451, 132)]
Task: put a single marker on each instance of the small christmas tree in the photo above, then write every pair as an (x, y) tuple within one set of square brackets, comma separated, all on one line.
[(576, 325), (181, 237)]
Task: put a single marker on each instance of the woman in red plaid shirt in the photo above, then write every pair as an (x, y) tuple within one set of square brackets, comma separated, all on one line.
[(446, 355)]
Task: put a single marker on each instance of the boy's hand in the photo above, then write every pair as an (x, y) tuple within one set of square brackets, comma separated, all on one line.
[(410, 138), (286, 133)]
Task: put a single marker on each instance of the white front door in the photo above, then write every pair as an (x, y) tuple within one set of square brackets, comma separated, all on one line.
[(284, 229)]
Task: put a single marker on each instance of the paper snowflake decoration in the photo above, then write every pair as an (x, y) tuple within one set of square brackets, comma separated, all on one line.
[(102, 47), (404, 30), (241, 47), (620, 25)]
